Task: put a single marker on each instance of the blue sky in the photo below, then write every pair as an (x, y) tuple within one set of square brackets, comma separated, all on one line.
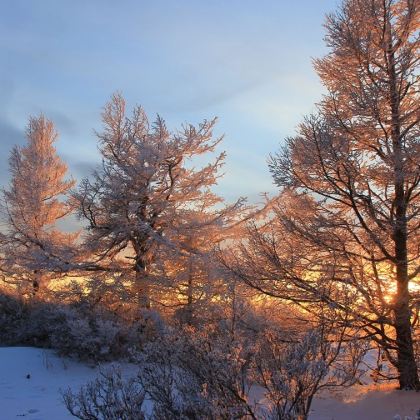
[(246, 61)]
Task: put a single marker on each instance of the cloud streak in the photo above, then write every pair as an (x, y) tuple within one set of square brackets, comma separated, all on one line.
[(247, 62)]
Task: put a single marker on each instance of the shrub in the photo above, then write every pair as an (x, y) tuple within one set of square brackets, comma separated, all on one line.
[(193, 375), (13, 318), (88, 332), (292, 371), (109, 397)]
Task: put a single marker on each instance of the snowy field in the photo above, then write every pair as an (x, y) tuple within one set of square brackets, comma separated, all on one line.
[(30, 380)]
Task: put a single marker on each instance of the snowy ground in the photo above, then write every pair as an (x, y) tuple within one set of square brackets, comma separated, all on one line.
[(30, 380), (37, 397), (371, 402)]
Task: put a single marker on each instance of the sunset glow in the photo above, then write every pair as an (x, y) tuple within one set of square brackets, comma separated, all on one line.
[(215, 205)]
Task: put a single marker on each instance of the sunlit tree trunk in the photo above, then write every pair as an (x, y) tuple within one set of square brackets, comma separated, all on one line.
[(406, 363), (407, 367)]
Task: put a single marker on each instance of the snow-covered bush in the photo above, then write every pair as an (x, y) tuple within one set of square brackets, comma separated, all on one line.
[(85, 336), (398, 417), (13, 317), (185, 374), (289, 374), (99, 335), (292, 370), (44, 319), (193, 375), (27, 322), (109, 397), (88, 332)]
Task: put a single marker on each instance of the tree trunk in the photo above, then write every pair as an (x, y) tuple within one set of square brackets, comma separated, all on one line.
[(37, 284), (142, 284), (190, 295), (406, 363)]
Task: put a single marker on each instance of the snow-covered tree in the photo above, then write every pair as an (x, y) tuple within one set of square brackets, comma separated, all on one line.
[(137, 202), (193, 278), (32, 246), (347, 224)]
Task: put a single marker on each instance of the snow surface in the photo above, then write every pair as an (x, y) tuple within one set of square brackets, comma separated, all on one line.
[(366, 402), (37, 397)]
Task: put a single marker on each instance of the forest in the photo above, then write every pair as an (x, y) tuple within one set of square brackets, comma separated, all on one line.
[(230, 309)]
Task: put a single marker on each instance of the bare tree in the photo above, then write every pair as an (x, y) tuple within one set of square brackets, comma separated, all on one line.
[(33, 248), (351, 179)]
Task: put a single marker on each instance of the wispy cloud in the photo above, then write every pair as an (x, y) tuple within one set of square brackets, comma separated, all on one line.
[(245, 61)]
